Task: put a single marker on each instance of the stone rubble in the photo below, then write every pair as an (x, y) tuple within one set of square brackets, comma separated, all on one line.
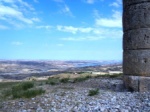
[(74, 98)]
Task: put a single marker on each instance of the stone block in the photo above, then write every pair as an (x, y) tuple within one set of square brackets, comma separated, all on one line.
[(136, 62), (132, 83), (136, 39), (144, 84), (136, 16), (137, 83), (132, 2)]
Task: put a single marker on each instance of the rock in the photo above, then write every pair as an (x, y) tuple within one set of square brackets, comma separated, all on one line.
[(148, 104), (124, 110), (77, 100), (113, 99)]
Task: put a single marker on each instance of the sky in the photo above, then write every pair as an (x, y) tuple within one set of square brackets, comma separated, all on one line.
[(61, 29)]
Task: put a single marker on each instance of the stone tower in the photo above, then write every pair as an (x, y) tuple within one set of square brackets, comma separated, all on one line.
[(136, 44)]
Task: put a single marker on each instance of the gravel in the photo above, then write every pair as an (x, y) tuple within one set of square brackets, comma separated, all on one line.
[(74, 98)]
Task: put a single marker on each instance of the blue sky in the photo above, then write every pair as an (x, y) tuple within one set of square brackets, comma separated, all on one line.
[(61, 29)]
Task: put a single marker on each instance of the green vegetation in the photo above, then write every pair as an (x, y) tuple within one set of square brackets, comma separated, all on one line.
[(23, 86), (0, 104), (109, 75), (22, 90), (93, 92), (53, 81), (4, 85), (82, 78), (57, 80), (115, 75), (27, 93), (64, 80), (28, 89)]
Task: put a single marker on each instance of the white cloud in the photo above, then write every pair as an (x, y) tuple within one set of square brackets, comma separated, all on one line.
[(60, 45), (2, 27), (117, 3), (60, 1), (90, 1), (35, 19), (84, 38), (17, 11), (66, 10), (74, 30), (97, 34), (114, 21), (36, 1), (20, 2), (44, 27), (16, 43), (85, 30), (96, 13), (6, 11), (70, 29), (110, 28)]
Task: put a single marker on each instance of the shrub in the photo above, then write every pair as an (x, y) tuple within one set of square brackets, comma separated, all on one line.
[(64, 80), (80, 79), (52, 81), (88, 77), (93, 92), (28, 93), (23, 86), (1, 105), (115, 75), (6, 93), (23, 90)]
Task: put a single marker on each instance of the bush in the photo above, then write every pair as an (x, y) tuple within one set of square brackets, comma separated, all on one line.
[(93, 92), (115, 75), (28, 93), (23, 90), (1, 105), (80, 79), (64, 80), (6, 93), (88, 77), (52, 81), (23, 86)]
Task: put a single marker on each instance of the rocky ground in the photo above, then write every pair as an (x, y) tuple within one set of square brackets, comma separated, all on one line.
[(73, 97)]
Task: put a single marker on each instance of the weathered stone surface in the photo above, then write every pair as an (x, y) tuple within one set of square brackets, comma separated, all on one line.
[(136, 62), (137, 39), (144, 84), (136, 16), (137, 83), (136, 44), (132, 2), (132, 83)]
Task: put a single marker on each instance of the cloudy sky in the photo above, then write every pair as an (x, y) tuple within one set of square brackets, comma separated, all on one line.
[(61, 29)]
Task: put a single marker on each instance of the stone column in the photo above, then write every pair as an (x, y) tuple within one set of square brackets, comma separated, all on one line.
[(136, 44)]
